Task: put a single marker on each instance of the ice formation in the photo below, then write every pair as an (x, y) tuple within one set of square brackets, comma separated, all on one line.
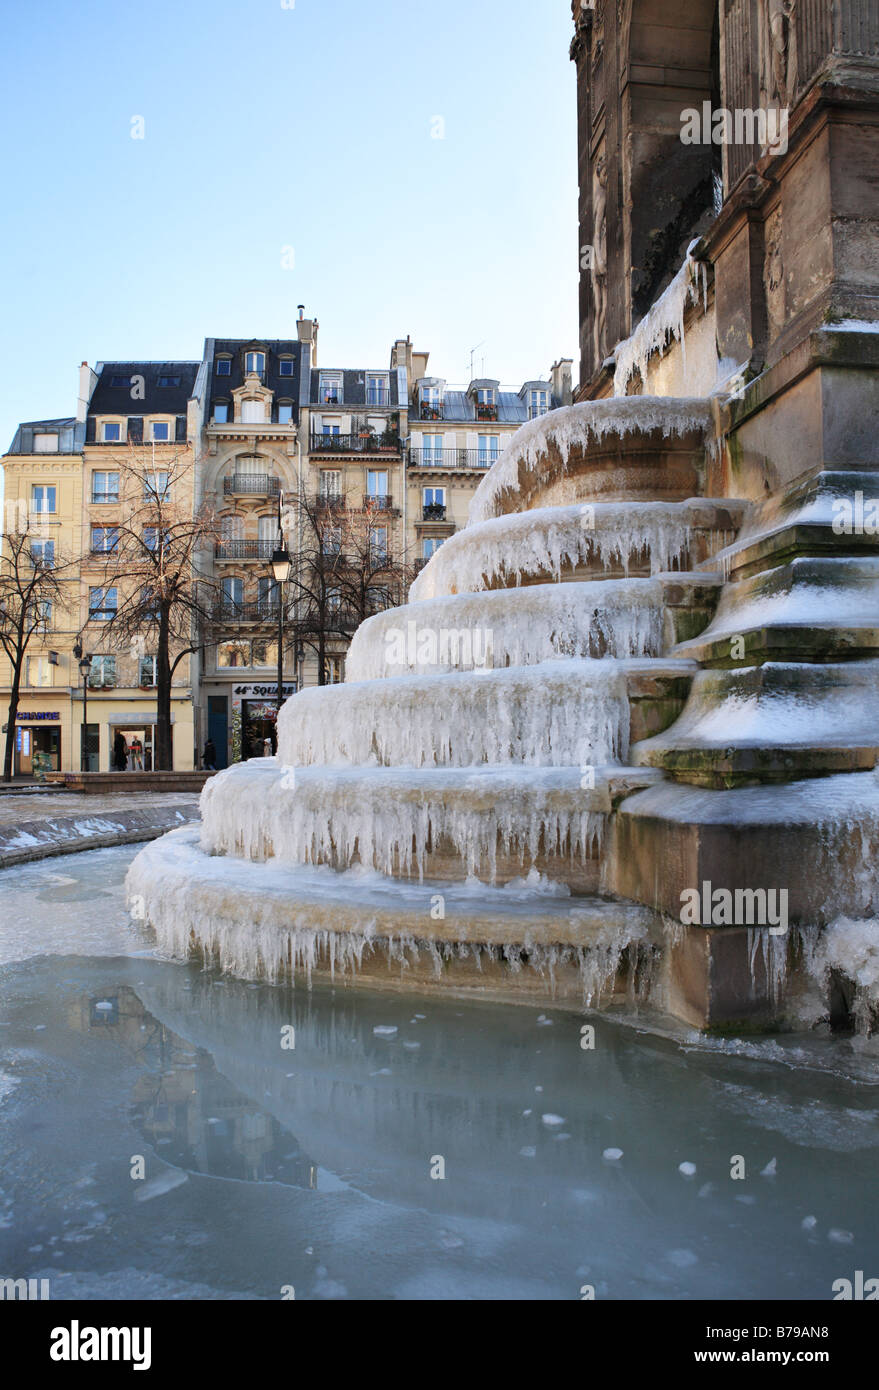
[(560, 713), (511, 627), (544, 541), (851, 947), (663, 321), (390, 819), (576, 427)]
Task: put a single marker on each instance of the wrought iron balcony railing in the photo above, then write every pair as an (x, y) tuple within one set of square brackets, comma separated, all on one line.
[(362, 443), (247, 611), (244, 550), (433, 511), (377, 501), (451, 458), (251, 485)]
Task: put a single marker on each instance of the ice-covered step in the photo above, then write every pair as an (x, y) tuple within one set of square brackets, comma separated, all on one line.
[(774, 722), (812, 608), (646, 447), (487, 823), (559, 713), (522, 627), (587, 540), (276, 922), (827, 512)]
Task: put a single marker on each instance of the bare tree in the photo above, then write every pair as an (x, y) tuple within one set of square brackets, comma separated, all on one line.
[(154, 560), (33, 588), (344, 569)]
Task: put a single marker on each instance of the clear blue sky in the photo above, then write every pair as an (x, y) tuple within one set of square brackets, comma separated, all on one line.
[(269, 127)]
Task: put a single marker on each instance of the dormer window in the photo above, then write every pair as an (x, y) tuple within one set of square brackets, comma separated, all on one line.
[(285, 413), (253, 412), (120, 382), (167, 382), (486, 403), (331, 390), (221, 413), (112, 432), (255, 362), (45, 442), (285, 366), (377, 390), (538, 403), (160, 431), (224, 366)]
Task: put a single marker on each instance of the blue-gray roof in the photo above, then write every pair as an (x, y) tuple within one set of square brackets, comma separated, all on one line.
[(71, 435)]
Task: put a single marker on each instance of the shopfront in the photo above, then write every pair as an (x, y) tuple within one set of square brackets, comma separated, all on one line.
[(37, 743), (241, 717)]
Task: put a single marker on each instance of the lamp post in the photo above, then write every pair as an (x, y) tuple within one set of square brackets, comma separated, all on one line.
[(281, 565), (85, 666)]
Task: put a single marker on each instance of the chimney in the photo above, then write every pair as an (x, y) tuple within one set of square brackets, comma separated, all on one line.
[(560, 377), (306, 331), (87, 382)]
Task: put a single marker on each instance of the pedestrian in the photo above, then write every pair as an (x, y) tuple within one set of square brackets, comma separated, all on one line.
[(120, 752), (209, 756), (136, 754)]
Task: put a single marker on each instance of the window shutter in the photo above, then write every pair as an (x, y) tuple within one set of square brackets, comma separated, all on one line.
[(135, 429), (180, 435), (90, 430)]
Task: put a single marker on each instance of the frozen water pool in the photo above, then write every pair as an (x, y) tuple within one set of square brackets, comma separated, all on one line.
[(311, 1166)]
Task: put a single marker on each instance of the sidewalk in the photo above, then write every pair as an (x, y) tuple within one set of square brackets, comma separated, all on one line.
[(37, 824)]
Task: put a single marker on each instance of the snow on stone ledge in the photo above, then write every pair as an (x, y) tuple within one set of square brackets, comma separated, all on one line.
[(576, 426)]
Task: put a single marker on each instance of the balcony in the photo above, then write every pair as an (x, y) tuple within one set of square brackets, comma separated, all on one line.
[(247, 611), (251, 485), (378, 396), (433, 511), (451, 458), (377, 502), (486, 411), (244, 550), (430, 410), (363, 443), (331, 501)]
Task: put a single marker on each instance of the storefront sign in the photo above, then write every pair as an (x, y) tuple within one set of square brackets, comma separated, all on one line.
[(262, 691), (27, 718)]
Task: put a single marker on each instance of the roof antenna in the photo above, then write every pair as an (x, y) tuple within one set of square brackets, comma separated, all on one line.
[(473, 352)]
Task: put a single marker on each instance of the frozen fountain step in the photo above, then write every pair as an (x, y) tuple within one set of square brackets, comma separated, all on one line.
[(522, 627), (560, 713), (812, 609), (826, 513), (771, 723), (584, 541), (640, 447), (490, 823)]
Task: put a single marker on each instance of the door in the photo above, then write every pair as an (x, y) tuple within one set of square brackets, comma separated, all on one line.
[(218, 727)]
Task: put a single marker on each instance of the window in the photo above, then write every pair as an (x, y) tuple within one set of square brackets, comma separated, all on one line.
[(377, 392), (267, 596), (43, 554), (377, 485), (221, 413), (156, 487), (285, 414), (160, 431), (120, 382), (433, 449), (146, 671), (434, 496), (40, 613), (430, 545), (232, 527), (378, 544), (40, 672), (489, 448), (102, 604), (431, 403), (224, 366), (330, 484), (330, 430), (165, 382), (267, 529), (264, 652), (255, 362), (103, 672), (253, 412), (105, 487), (233, 591), (149, 604), (45, 442), (537, 404), (104, 539), (331, 390), (233, 653), (334, 601), (285, 366), (112, 432), (334, 670), (151, 538), (331, 541), (42, 500)]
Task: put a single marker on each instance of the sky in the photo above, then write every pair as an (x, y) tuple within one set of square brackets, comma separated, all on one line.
[(397, 168)]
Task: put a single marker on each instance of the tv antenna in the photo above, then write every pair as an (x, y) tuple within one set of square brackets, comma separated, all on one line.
[(473, 352)]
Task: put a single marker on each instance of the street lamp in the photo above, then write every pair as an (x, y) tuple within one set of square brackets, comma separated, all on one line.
[(281, 565), (85, 666)]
